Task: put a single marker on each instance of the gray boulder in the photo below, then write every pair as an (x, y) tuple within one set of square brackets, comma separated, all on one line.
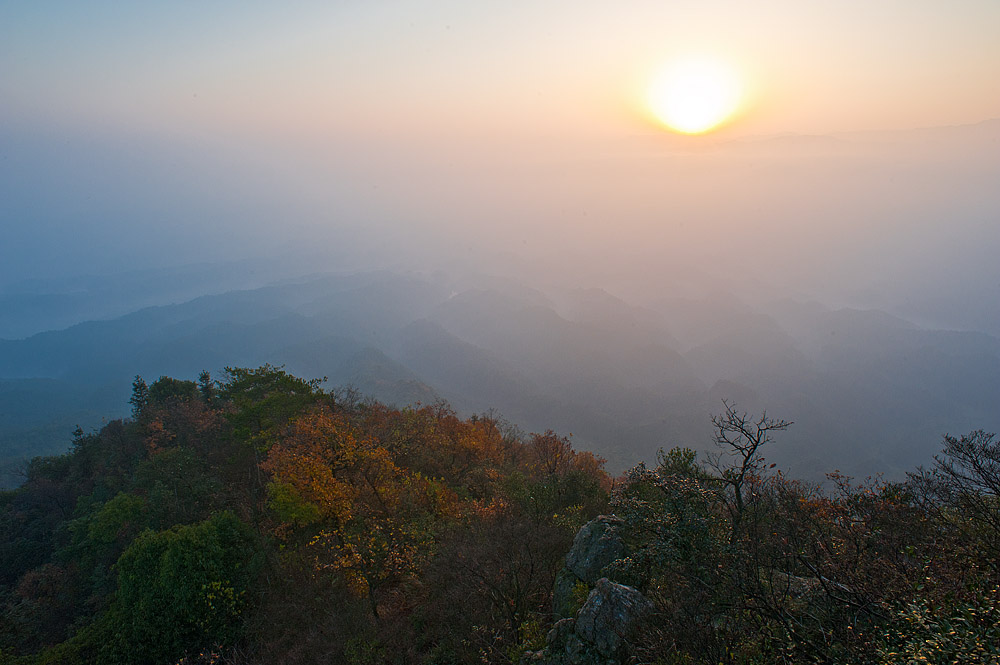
[(610, 617), (561, 631), (595, 546), (602, 631)]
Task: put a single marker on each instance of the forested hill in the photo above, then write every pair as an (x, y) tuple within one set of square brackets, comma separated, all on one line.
[(259, 519), (261, 515)]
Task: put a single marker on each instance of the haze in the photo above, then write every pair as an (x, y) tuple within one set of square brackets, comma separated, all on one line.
[(181, 150)]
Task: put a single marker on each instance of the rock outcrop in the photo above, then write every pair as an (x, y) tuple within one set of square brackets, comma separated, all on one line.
[(599, 631), (602, 631), (596, 545)]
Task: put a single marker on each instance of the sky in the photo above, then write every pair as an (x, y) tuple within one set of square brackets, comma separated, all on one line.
[(509, 135), (394, 69)]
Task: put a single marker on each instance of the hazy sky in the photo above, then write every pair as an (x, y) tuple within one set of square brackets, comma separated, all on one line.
[(404, 68), (141, 133)]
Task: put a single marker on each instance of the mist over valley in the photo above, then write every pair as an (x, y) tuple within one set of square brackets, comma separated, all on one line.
[(439, 333)]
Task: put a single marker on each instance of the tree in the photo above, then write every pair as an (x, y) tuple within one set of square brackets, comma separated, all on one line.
[(181, 590), (140, 396), (678, 556), (206, 387), (167, 388), (740, 436), (263, 400), (962, 489), (491, 579), (369, 518), (551, 453)]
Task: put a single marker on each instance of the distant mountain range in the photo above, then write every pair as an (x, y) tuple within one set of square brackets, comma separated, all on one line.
[(868, 392)]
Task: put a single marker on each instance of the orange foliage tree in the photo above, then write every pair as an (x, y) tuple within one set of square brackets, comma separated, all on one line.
[(365, 515)]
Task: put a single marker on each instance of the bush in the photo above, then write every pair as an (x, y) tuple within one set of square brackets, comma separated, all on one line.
[(958, 632), (180, 590)]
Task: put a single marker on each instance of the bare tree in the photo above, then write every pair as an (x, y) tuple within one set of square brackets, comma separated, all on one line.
[(738, 463)]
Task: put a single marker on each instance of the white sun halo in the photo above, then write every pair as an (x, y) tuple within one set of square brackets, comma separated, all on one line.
[(694, 95)]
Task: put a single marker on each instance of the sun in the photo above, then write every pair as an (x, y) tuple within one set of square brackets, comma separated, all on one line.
[(694, 95)]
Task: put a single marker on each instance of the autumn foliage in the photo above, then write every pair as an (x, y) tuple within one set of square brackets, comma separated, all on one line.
[(261, 519)]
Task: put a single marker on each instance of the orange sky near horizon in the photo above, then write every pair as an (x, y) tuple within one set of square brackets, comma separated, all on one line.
[(399, 69), (515, 128)]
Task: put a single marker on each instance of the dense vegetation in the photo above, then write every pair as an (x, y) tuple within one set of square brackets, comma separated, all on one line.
[(260, 519), (747, 566)]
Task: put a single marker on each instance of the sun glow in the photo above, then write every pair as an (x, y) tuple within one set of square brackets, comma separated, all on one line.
[(694, 95)]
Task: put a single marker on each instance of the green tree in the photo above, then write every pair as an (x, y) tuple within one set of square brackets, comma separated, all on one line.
[(206, 387), (263, 400), (166, 388), (140, 396), (181, 590)]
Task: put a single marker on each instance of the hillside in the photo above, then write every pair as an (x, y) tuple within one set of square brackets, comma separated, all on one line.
[(262, 515), (869, 392), (260, 519)]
